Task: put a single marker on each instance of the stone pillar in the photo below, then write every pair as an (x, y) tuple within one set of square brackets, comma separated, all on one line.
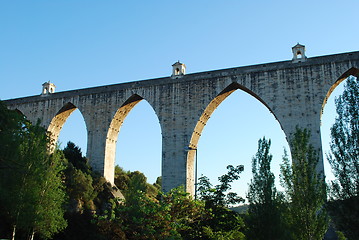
[(313, 125), (96, 148), (174, 164)]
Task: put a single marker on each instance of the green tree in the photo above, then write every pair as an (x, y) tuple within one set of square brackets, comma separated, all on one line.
[(130, 182), (79, 188), (122, 178), (74, 155), (89, 194), (219, 195), (174, 215), (305, 190), (31, 189), (223, 223), (82, 185), (344, 160), (158, 183), (264, 219), (49, 213)]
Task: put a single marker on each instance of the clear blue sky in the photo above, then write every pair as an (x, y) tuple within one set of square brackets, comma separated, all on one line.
[(79, 44)]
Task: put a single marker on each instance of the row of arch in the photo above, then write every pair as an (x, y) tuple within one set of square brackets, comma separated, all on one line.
[(61, 117)]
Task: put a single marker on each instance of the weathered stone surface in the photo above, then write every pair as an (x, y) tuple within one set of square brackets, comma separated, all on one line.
[(295, 92)]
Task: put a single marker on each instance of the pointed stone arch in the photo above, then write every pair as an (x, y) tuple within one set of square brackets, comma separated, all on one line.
[(59, 120), (203, 119), (113, 131)]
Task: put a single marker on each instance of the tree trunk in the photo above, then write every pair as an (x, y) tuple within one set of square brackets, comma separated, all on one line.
[(32, 235), (13, 232)]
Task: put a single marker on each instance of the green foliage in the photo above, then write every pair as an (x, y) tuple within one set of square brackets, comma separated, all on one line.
[(31, 189), (341, 236), (174, 215), (74, 155), (305, 190), (131, 182), (49, 212), (146, 217), (223, 223), (79, 180), (185, 213), (226, 235), (158, 183), (88, 193), (344, 160), (122, 178), (264, 219), (218, 195), (79, 188)]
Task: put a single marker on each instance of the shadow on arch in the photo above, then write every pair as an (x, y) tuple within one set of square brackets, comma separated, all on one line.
[(113, 134), (59, 120), (20, 113), (203, 119)]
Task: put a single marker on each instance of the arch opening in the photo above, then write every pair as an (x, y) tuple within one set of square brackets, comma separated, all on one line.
[(74, 130), (328, 115), (231, 137), (132, 149), (57, 123)]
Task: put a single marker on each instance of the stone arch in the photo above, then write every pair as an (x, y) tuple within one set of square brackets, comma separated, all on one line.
[(59, 120), (113, 131), (203, 119), (351, 72)]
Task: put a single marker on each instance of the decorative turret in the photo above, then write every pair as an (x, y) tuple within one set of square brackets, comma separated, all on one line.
[(178, 69), (298, 53), (48, 88)]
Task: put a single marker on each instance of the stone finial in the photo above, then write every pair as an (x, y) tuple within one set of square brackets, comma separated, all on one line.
[(298, 53), (48, 88), (178, 69)]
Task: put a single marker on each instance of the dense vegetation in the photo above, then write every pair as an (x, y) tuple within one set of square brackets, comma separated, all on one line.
[(54, 194)]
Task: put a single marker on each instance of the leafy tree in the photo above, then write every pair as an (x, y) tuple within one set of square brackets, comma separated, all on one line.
[(74, 155), (130, 182), (186, 214), (305, 190), (138, 182), (89, 194), (223, 223), (79, 188), (174, 215), (158, 183), (31, 190), (344, 160), (122, 178), (49, 213), (218, 195), (264, 219)]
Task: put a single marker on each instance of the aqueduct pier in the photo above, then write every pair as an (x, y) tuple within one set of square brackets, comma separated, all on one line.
[(294, 91)]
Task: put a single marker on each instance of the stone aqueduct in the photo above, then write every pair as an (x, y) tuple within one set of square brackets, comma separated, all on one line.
[(294, 91)]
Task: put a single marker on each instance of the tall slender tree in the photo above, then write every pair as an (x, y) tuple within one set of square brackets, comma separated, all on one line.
[(264, 219), (344, 160), (305, 190)]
